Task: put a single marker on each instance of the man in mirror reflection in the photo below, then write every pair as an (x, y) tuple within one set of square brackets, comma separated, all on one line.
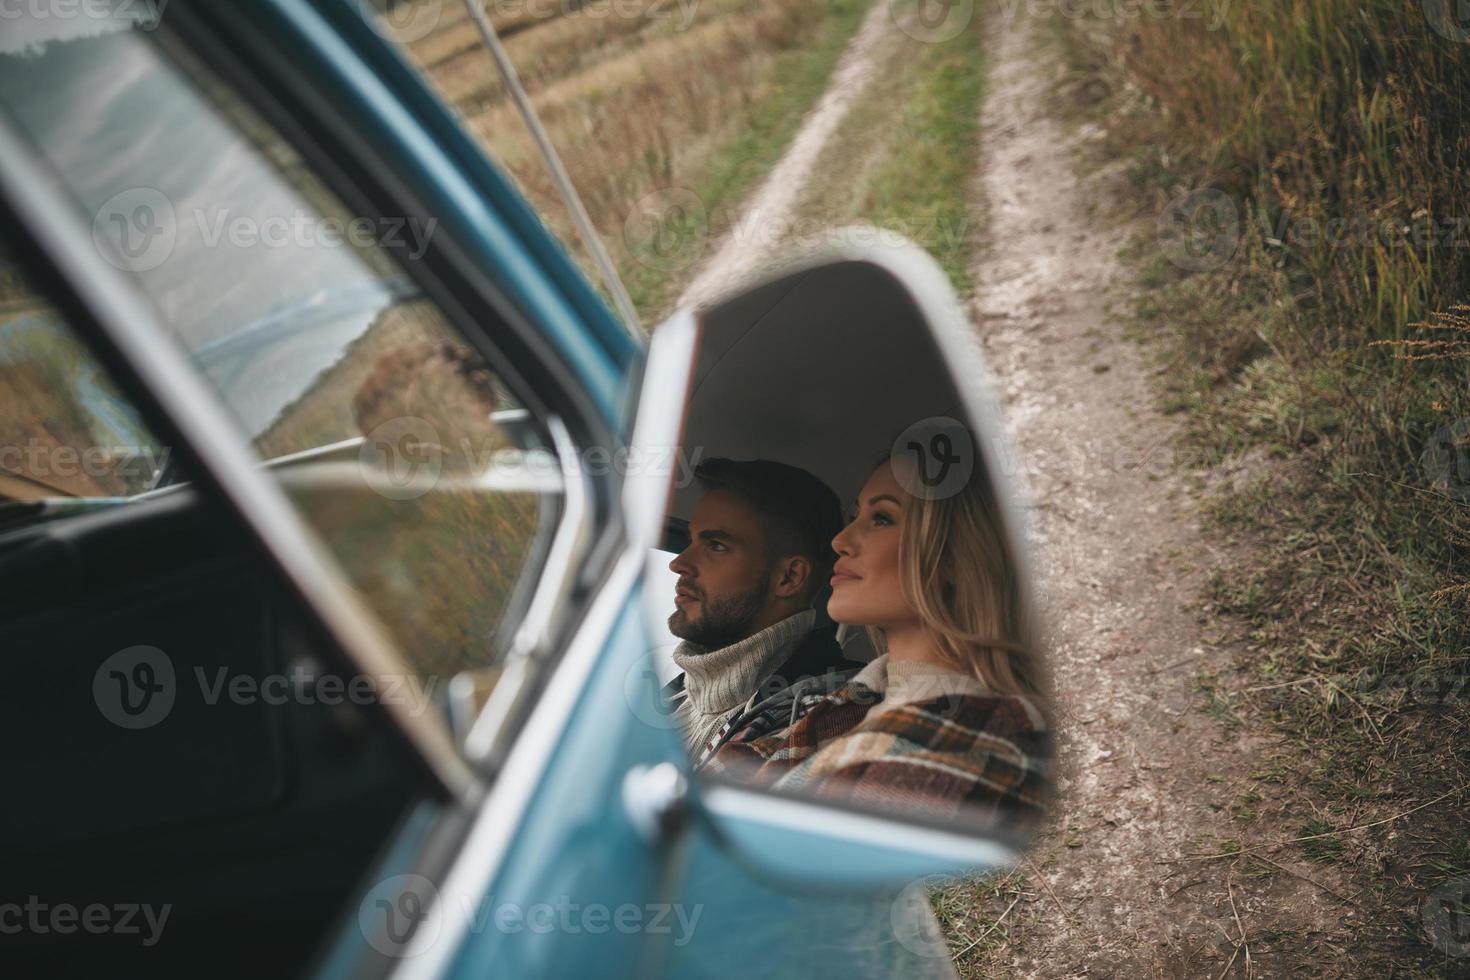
[(758, 559)]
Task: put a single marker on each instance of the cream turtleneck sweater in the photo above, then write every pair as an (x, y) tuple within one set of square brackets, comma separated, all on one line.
[(717, 682), (907, 681)]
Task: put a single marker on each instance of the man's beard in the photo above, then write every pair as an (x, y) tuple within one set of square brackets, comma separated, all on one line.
[(724, 621)]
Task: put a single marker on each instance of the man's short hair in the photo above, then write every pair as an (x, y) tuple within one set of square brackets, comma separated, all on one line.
[(801, 513)]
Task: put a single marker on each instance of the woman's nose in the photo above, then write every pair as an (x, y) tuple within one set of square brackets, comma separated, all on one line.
[(840, 542)]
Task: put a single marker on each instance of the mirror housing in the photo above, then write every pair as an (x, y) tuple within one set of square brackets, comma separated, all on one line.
[(797, 844), (819, 365)]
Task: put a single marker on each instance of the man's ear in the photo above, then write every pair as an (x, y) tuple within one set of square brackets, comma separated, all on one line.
[(794, 571)]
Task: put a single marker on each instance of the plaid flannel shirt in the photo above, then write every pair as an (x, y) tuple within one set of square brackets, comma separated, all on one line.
[(764, 715), (979, 758)]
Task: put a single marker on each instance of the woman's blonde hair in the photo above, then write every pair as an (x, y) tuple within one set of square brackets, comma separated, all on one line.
[(957, 572)]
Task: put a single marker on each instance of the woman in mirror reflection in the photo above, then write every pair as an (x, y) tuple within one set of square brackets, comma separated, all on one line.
[(949, 720)]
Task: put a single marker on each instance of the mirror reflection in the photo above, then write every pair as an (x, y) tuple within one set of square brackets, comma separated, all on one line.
[(849, 599)]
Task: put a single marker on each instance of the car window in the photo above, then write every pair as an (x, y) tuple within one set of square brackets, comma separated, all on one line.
[(67, 436), (262, 276), (417, 465)]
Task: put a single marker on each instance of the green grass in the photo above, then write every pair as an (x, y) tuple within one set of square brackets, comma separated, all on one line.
[(800, 77), (904, 158), (1320, 850), (972, 912), (1245, 808), (1293, 361)]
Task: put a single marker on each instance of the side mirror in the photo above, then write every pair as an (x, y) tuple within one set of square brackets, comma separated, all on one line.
[(934, 754)]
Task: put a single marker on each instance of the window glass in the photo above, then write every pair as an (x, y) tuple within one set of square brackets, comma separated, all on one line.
[(66, 435), (419, 467)]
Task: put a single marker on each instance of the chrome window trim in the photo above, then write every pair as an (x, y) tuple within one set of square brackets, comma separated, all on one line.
[(537, 628), (491, 733), (331, 450), (49, 215)]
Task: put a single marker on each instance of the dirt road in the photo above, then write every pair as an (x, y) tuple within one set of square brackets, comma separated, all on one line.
[(737, 255), (1148, 779)]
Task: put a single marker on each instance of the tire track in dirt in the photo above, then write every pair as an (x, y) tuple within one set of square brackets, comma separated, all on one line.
[(1146, 777), (770, 207)]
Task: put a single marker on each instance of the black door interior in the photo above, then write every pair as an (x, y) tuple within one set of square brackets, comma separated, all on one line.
[(176, 741)]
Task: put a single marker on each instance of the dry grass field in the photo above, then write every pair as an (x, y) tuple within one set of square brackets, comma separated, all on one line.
[(49, 444), (640, 99)]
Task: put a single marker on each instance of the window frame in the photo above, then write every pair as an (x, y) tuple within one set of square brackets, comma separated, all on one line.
[(129, 343), (108, 316), (245, 48)]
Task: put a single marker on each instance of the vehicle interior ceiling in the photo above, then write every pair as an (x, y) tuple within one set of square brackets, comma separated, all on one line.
[(244, 817), (756, 394)]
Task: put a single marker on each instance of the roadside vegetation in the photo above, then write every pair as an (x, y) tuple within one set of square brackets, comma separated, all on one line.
[(1308, 162), (699, 98), (904, 157)]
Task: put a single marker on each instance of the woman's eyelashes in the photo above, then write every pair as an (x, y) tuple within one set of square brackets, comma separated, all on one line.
[(878, 518)]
